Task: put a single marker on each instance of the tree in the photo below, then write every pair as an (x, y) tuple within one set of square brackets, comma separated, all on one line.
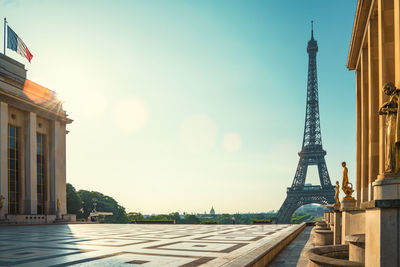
[(224, 219), (74, 202), (103, 203), (135, 216), (191, 219), (175, 216)]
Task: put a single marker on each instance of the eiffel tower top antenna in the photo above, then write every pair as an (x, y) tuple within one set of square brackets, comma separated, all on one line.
[(312, 29)]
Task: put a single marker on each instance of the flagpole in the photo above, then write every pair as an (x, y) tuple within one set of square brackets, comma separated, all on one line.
[(5, 21)]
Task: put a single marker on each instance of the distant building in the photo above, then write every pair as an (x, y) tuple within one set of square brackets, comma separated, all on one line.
[(99, 216), (32, 148), (212, 211)]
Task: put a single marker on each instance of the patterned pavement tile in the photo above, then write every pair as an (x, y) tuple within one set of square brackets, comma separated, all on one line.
[(131, 244), (13, 257), (200, 246), (110, 242), (132, 259)]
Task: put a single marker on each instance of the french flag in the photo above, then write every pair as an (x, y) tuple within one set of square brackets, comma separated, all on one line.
[(15, 43)]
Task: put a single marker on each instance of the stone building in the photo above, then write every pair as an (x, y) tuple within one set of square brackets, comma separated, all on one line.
[(375, 56), (32, 148), (371, 228)]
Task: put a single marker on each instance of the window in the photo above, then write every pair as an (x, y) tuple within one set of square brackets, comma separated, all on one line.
[(13, 173), (40, 172)]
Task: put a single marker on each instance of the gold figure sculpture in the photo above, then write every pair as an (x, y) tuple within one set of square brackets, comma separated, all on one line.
[(347, 189), (337, 193), (58, 204), (1, 201), (392, 126)]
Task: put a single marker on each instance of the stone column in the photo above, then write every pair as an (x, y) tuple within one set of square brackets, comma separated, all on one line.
[(4, 157), (373, 95), (382, 231), (364, 125), (386, 63), (30, 164), (358, 135), (62, 179), (22, 183), (48, 176), (57, 167)]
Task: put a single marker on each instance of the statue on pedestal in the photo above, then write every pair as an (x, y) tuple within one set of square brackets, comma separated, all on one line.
[(347, 189), (1, 202), (58, 213), (337, 193), (392, 128)]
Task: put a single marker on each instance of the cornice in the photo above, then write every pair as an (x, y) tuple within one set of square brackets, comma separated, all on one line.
[(15, 97), (359, 27)]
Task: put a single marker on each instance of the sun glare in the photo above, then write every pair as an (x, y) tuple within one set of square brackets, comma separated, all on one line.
[(131, 114)]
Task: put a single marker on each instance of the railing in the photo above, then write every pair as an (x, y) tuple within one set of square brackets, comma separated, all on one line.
[(305, 188)]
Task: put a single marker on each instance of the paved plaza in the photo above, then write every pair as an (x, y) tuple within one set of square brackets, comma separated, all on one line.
[(295, 253), (133, 245)]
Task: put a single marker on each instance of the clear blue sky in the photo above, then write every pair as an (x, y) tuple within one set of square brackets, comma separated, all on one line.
[(181, 105)]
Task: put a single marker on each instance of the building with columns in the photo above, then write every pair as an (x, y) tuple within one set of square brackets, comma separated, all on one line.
[(370, 229), (32, 149), (374, 55)]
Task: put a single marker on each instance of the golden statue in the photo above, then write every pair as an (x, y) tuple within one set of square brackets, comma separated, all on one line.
[(347, 190), (337, 193), (1, 201), (58, 204), (392, 121)]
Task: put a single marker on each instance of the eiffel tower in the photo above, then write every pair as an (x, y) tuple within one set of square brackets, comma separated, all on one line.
[(311, 153)]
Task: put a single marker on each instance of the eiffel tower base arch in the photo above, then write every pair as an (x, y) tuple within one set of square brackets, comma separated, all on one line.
[(297, 198)]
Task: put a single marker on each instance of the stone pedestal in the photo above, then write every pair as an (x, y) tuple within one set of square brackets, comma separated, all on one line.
[(348, 204), (382, 231), (326, 215), (323, 237), (337, 228), (332, 256), (320, 225), (58, 215), (356, 247), (353, 222), (386, 188)]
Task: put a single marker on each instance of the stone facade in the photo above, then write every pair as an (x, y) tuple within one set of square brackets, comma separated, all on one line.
[(374, 55), (32, 147), (371, 228)]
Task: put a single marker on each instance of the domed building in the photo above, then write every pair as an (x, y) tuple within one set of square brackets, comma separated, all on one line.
[(212, 211)]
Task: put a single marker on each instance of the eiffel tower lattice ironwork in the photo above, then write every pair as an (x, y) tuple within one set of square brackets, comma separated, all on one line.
[(311, 153)]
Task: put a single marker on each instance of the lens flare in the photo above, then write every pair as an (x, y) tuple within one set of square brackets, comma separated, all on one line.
[(131, 114)]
